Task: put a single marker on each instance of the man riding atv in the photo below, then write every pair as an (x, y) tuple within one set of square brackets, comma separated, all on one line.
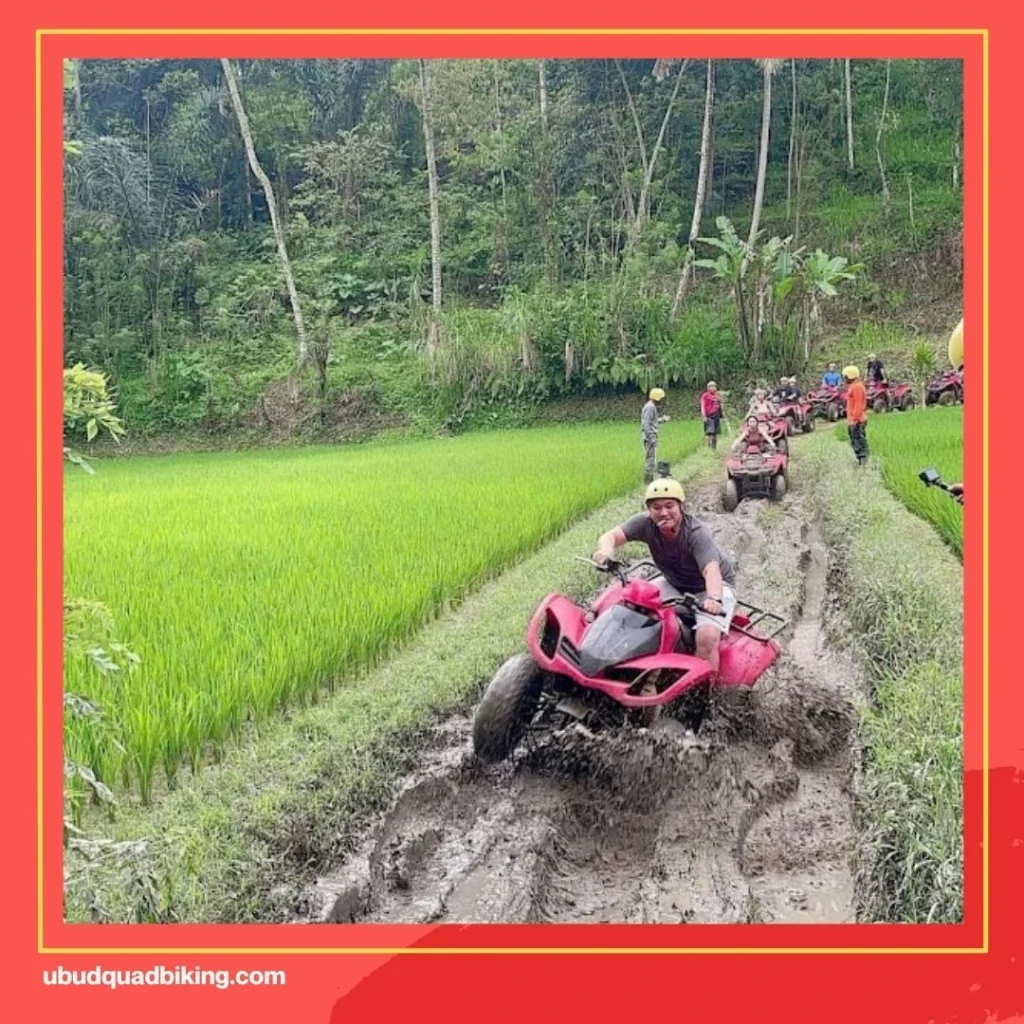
[(683, 549), (831, 378)]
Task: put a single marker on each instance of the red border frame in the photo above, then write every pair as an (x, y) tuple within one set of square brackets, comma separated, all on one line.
[(417, 974)]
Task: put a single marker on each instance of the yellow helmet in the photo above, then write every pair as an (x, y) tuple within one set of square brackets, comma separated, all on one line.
[(666, 487), (956, 344), (656, 395), (851, 372)]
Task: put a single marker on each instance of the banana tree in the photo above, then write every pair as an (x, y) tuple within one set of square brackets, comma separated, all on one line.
[(731, 266), (821, 277)]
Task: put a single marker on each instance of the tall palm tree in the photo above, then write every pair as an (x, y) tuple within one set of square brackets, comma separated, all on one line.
[(768, 66)]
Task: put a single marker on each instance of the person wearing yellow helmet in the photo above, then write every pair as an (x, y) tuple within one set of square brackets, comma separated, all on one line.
[(649, 423), (856, 413), (689, 559)]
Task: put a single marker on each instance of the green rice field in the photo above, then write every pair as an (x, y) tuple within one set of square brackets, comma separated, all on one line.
[(247, 582), (906, 443)]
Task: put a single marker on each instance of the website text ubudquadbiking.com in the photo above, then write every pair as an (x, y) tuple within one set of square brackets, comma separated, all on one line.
[(108, 978)]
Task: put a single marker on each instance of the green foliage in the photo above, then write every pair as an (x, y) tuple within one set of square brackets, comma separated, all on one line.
[(173, 285)]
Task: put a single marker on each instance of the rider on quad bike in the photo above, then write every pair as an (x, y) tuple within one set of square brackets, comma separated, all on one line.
[(690, 562), (761, 405), (754, 433)]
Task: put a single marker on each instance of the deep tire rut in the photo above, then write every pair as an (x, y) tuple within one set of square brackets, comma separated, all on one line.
[(750, 821)]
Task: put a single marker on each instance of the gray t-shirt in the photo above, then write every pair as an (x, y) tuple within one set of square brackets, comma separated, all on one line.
[(649, 421), (682, 558)]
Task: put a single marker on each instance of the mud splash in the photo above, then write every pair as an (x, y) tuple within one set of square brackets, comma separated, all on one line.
[(751, 820)]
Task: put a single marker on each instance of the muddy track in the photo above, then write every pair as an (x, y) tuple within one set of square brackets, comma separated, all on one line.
[(751, 820)]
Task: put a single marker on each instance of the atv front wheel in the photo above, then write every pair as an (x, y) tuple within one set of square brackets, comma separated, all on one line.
[(730, 495), (778, 487), (508, 705), (880, 405), (832, 412), (947, 398), (783, 445), (809, 425), (908, 403)]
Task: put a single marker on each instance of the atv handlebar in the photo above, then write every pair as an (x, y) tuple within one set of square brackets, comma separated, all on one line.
[(930, 478), (688, 601)]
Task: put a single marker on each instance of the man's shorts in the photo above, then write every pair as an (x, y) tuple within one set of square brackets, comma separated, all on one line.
[(719, 622)]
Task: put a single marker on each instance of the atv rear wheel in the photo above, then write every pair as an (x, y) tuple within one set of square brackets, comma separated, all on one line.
[(778, 487), (508, 705), (908, 403), (730, 495), (832, 412), (880, 405), (947, 398), (809, 425)]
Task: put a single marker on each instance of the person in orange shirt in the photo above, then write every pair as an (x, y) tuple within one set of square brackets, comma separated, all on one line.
[(857, 413)]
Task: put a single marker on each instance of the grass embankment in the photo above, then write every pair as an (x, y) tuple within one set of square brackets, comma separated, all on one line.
[(899, 600)]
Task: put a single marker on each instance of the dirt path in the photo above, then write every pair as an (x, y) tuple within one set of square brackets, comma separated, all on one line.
[(749, 821)]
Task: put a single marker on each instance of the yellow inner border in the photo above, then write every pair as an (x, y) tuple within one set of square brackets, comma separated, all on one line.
[(41, 947)]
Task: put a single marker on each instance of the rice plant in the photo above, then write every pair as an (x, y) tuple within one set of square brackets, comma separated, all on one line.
[(906, 443), (247, 582)]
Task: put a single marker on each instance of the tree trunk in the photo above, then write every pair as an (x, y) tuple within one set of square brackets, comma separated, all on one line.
[(641, 144), (849, 116), (501, 172), (792, 142), (433, 336), (643, 205), (546, 189), (881, 133), (702, 184), (248, 196), (543, 96), (762, 164), (286, 266)]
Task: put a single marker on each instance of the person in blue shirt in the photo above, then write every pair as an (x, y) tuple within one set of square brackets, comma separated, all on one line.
[(831, 378)]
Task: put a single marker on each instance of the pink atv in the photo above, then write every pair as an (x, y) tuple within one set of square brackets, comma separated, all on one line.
[(945, 389), (778, 431), (753, 474), (829, 402), (798, 415), (884, 396), (622, 660)]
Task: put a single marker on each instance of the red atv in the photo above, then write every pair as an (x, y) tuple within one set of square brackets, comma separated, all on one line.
[(884, 396), (619, 661), (945, 389), (829, 402), (798, 415), (754, 474), (778, 430)]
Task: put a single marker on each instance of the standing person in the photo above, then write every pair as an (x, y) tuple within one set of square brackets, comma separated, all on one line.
[(711, 413), (857, 413), (875, 369), (690, 562), (649, 423), (831, 378)]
